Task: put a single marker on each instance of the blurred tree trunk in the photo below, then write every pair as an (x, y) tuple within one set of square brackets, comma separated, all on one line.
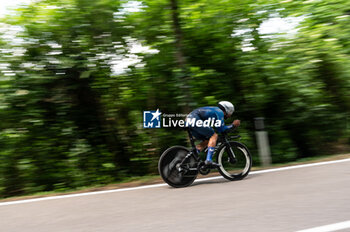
[(91, 120), (179, 54), (329, 74), (13, 183), (180, 58)]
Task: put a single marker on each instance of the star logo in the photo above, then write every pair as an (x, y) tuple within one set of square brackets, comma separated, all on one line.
[(156, 115), (151, 119)]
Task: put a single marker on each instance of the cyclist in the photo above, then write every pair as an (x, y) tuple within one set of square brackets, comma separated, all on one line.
[(207, 134)]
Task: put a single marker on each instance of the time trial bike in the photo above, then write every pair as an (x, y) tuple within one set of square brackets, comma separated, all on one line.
[(179, 166)]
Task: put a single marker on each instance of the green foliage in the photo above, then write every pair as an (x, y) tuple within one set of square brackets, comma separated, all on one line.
[(70, 118)]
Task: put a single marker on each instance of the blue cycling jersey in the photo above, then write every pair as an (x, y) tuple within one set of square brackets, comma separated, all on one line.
[(207, 112)]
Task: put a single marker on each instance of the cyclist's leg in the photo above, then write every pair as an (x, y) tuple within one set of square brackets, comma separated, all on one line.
[(209, 137), (213, 139), (200, 134), (202, 145), (211, 148)]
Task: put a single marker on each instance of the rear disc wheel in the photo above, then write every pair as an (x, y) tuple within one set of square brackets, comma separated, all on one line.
[(169, 163)]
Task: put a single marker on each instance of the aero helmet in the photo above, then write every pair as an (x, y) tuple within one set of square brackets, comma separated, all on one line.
[(227, 107)]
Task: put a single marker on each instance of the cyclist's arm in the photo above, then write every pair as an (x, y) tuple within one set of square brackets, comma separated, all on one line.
[(223, 127)]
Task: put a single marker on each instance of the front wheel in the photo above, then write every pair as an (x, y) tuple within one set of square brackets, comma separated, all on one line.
[(234, 169)]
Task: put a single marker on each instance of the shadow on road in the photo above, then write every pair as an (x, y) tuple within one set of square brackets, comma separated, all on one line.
[(217, 181)]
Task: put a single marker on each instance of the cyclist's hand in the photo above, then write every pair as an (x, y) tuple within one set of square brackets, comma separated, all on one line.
[(236, 123)]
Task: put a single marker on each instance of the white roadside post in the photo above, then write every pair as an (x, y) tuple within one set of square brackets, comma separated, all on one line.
[(263, 142)]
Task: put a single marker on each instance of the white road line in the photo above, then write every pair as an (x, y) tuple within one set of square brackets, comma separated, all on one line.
[(329, 228), (300, 166), (161, 185)]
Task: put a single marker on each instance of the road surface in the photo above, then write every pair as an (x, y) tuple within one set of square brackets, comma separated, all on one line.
[(285, 200)]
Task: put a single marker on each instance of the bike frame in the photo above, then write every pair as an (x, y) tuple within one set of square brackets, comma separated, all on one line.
[(193, 151), (222, 141)]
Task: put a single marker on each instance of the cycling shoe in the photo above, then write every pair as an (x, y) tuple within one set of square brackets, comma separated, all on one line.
[(211, 164)]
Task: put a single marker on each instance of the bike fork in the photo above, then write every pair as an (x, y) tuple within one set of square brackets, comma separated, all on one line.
[(231, 154)]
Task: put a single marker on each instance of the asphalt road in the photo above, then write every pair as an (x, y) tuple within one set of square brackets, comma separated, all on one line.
[(288, 200)]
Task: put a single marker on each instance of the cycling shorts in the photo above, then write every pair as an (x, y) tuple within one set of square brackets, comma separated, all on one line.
[(200, 133)]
